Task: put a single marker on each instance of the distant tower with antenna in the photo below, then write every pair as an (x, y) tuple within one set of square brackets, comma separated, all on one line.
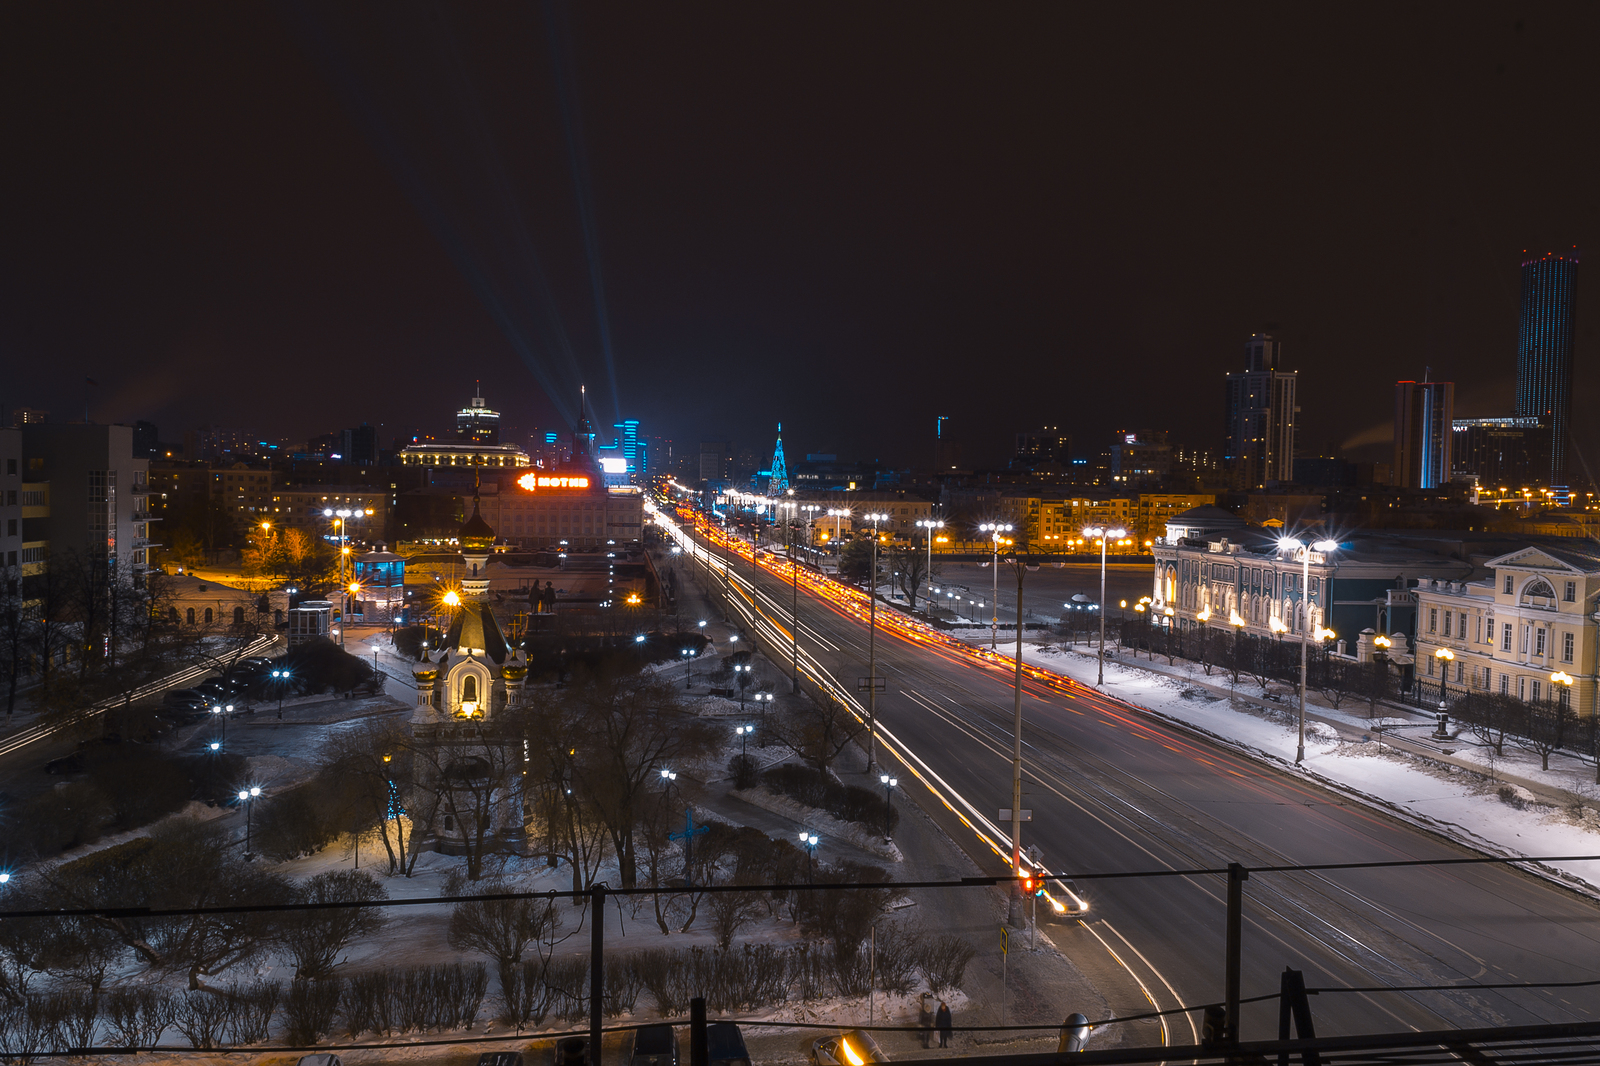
[(778, 483), (583, 443)]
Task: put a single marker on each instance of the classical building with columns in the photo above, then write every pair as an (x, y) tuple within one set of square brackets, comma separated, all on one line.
[(1212, 568), (1525, 627)]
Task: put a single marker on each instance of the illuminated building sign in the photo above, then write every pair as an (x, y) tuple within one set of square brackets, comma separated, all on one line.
[(532, 482)]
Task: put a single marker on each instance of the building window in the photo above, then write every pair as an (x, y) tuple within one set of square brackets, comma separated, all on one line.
[(1433, 619), (1522, 688), (1461, 672), (1538, 642), (1430, 659), (1447, 623), (1488, 677), (1525, 640), (1505, 637), (1566, 647), (238, 616), (1462, 629), (1508, 584), (189, 616), (1565, 695), (210, 617), (1505, 685), (1536, 690)]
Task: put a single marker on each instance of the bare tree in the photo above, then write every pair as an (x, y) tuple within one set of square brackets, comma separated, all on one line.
[(314, 938), (377, 756), (910, 569), (632, 728), (499, 929), (817, 732), (1545, 723)]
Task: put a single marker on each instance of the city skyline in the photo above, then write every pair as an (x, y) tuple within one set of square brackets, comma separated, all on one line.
[(913, 226)]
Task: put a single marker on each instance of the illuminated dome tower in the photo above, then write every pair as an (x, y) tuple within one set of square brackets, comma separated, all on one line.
[(778, 483)]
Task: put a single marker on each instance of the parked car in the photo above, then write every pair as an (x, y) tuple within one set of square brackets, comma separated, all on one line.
[(500, 1058), (654, 1045), (855, 1048), (725, 1044), (572, 1051)]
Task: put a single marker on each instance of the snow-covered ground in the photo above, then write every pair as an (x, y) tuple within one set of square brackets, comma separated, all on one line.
[(1453, 787)]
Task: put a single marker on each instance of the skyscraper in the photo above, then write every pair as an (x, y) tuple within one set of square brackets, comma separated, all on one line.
[(1261, 415), (1423, 436), (1544, 350)]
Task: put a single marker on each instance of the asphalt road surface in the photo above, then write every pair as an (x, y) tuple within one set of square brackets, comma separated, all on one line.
[(1113, 791)]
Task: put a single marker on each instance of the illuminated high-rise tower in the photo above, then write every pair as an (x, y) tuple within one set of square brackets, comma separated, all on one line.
[(1544, 350), (778, 483), (1259, 445)]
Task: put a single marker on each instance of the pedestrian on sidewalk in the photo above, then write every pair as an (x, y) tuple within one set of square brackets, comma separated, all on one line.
[(925, 1019), (942, 1020)]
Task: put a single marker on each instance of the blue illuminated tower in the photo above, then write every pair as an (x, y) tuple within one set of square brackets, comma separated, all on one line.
[(1544, 350), (778, 483)]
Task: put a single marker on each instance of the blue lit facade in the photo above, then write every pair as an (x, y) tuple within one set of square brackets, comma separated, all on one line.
[(1544, 351), (633, 449)]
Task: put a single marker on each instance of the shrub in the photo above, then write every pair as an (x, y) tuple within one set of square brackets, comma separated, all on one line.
[(850, 803), (897, 961), (525, 995), (745, 771), (943, 960), (314, 938), (138, 1016), (309, 1010), (200, 1016), (569, 982), (253, 1007)]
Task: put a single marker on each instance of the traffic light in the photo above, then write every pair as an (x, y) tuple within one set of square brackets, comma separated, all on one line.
[(1031, 885)]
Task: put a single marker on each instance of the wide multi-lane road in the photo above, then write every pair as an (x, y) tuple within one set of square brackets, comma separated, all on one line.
[(1113, 791)]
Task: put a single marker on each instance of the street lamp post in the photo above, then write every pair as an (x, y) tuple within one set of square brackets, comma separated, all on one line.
[(888, 804), (1104, 534), (1445, 657), (688, 658), (872, 646), (744, 732), (245, 797), (765, 700), (930, 524), (809, 842), (1304, 552), (280, 678), (994, 529)]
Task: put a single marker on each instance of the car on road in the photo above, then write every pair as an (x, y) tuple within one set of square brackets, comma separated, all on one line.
[(654, 1045), (855, 1048), (725, 1044), (500, 1058), (572, 1051)]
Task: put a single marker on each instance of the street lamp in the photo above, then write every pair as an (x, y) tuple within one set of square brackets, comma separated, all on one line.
[(838, 514), (223, 712), (930, 524), (1445, 657), (1289, 544), (245, 796), (809, 842), (872, 645), (888, 804), (744, 732), (1104, 534), (688, 657), (280, 678), (765, 700), (994, 529)]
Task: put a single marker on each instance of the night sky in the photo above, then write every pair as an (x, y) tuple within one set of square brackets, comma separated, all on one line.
[(848, 218)]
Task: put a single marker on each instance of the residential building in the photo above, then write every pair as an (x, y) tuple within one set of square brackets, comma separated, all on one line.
[(1140, 457), (11, 520), (1424, 413), (1544, 350), (95, 507), (178, 486), (306, 508), (1530, 616), (569, 506), (1259, 444), (716, 460), (1049, 447)]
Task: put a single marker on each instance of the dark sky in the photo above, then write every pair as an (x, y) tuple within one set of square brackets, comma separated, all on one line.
[(848, 218)]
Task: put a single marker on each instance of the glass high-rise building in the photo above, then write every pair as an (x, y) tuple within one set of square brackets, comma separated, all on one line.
[(1544, 350)]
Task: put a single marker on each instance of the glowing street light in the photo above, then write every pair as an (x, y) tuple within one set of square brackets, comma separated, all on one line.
[(809, 842), (995, 529), (245, 797), (888, 804), (1104, 534), (1289, 544)]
